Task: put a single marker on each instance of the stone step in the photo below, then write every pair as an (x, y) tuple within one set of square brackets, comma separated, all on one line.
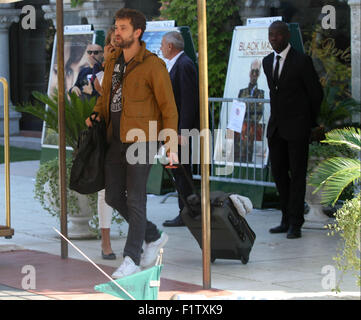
[(33, 143)]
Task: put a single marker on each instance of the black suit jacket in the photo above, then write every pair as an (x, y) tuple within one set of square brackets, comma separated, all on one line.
[(295, 103), (184, 80)]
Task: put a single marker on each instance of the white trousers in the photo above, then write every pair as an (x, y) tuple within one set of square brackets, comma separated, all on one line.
[(104, 211)]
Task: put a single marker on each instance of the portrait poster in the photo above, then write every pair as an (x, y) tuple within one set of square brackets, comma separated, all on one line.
[(245, 79), (75, 59)]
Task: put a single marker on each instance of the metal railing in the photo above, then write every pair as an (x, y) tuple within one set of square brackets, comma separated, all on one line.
[(248, 149), (6, 231)]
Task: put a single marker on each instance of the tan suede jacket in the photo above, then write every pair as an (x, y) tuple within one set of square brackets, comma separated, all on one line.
[(147, 95)]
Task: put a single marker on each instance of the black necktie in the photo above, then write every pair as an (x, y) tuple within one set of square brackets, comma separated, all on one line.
[(275, 74)]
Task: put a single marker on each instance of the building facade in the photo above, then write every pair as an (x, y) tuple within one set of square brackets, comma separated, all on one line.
[(330, 31)]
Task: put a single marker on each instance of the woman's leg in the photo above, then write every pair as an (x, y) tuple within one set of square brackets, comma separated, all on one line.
[(105, 219)]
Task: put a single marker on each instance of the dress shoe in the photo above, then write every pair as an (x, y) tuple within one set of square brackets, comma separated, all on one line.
[(110, 256), (176, 222), (294, 233), (280, 229)]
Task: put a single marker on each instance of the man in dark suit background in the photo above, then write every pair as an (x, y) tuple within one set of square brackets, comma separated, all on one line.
[(296, 95), (183, 75)]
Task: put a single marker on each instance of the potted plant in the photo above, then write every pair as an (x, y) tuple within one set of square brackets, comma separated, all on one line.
[(320, 213), (82, 209), (331, 178)]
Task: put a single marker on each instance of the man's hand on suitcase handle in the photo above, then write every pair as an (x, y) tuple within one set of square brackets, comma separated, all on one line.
[(173, 160)]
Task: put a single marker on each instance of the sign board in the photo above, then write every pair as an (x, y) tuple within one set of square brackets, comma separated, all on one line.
[(76, 40), (246, 79), (258, 22), (163, 24), (238, 110), (77, 29)]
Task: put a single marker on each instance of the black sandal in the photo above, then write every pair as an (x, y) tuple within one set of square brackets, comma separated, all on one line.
[(110, 256)]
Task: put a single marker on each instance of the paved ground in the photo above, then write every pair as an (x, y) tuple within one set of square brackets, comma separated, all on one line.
[(279, 268)]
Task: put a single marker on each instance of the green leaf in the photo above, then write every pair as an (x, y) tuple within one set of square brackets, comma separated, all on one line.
[(76, 111), (350, 137), (333, 175)]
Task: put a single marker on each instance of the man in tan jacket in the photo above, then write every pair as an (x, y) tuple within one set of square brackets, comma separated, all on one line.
[(137, 104)]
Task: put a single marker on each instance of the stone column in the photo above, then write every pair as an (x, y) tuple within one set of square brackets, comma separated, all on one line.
[(8, 15), (355, 6), (100, 13)]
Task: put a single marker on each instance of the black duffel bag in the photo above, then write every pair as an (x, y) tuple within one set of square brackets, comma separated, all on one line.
[(87, 172)]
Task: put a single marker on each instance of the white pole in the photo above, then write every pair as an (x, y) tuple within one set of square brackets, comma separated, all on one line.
[(95, 265)]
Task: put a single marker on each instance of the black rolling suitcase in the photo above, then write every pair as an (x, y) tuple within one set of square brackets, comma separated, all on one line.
[(231, 236)]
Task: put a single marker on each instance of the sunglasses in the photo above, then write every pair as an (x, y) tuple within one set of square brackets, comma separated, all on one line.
[(96, 52)]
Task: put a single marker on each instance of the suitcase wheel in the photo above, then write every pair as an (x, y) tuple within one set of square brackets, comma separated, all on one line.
[(244, 260)]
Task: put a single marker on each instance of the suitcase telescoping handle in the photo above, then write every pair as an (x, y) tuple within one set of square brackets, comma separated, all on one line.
[(189, 179), (168, 170)]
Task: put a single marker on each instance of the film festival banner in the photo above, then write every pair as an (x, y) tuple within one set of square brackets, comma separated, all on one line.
[(241, 137), (76, 40)]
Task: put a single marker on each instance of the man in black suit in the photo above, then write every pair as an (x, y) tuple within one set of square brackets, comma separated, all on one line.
[(296, 95), (183, 75)]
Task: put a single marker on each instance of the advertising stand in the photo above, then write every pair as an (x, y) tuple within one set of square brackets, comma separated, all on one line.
[(241, 137)]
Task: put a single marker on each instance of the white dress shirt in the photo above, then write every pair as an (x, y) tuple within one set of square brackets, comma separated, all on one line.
[(283, 55), (172, 61)]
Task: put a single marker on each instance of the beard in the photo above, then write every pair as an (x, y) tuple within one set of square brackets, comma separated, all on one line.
[(124, 43)]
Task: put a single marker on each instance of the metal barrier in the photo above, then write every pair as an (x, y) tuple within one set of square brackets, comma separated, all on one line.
[(250, 164), (6, 231)]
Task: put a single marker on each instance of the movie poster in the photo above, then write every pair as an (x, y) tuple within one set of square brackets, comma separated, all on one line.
[(245, 144), (75, 59)]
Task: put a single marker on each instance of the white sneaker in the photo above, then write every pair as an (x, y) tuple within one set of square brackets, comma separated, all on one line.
[(151, 250), (144, 248), (127, 268)]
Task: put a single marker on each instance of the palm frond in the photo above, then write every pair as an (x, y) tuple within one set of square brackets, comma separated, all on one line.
[(347, 136), (76, 111), (333, 175), (70, 118)]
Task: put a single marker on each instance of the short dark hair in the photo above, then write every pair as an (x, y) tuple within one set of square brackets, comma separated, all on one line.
[(280, 25), (137, 18)]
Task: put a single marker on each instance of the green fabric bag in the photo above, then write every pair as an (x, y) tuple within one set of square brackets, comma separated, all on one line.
[(142, 285)]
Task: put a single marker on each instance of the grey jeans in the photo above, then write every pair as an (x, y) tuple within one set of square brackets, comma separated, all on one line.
[(125, 191)]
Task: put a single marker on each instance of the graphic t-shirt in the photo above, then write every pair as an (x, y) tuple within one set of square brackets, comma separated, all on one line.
[(116, 97)]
